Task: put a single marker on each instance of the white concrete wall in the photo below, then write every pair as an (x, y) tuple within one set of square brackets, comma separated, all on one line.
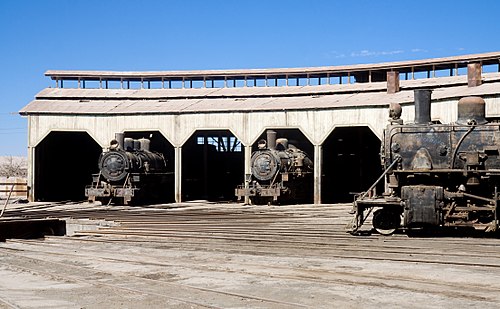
[(315, 124)]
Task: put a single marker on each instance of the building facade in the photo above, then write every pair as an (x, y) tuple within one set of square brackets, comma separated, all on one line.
[(207, 122)]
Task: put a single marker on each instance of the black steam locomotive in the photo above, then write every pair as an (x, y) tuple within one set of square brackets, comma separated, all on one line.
[(437, 175), (129, 173), (280, 173)]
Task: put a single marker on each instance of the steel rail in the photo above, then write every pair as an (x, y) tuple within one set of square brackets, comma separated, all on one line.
[(91, 282), (316, 278)]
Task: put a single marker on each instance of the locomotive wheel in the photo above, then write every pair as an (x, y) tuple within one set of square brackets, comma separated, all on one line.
[(386, 222)]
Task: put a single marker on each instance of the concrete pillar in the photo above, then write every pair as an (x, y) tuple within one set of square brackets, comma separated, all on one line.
[(178, 174), (318, 162), (31, 172), (248, 170), (392, 82), (474, 74)]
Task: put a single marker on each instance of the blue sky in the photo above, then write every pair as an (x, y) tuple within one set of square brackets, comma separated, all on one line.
[(154, 35)]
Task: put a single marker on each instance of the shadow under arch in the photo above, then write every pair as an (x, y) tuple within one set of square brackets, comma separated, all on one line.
[(64, 164), (351, 163)]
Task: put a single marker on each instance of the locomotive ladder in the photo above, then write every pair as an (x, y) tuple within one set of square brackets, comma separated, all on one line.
[(360, 219)]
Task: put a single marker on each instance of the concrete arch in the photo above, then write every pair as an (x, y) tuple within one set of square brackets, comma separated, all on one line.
[(89, 132), (264, 129), (377, 133), (196, 129), (159, 130)]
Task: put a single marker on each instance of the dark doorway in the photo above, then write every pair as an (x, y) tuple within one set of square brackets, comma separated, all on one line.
[(64, 164), (212, 166), (351, 164), (160, 144)]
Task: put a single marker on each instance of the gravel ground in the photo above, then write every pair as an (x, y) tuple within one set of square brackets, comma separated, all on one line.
[(229, 256)]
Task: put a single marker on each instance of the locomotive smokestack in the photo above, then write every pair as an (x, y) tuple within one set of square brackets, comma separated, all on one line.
[(271, 139), (470, 110), (422, 106), (119, 137)]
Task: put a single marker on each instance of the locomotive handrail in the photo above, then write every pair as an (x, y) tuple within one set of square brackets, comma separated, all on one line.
[(363, 218), (455, 152), (396, 160)]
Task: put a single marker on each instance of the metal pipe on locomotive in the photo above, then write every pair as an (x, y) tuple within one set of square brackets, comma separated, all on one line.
[(128, 172), (437, 175), (280, 173)]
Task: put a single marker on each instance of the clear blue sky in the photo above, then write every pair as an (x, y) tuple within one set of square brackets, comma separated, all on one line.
[(127, 35)]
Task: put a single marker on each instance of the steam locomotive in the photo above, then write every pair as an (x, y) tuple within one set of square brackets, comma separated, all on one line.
[(129, 173), (437, 175), (280, 172)]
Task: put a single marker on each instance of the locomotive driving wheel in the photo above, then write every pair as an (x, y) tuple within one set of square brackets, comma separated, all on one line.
[(386, 221)]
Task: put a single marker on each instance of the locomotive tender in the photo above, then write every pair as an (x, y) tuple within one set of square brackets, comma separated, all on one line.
[(437, 175), (129, 172), (280, 172)]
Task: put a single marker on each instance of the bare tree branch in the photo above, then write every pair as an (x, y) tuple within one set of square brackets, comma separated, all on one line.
[(13, 167)]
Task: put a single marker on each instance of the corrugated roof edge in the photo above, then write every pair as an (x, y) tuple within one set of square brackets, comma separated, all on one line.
[(359, 100), (62, 74)]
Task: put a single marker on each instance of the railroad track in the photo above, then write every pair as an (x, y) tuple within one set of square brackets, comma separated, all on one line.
[(302, 274), (227, 256), (186, 294)]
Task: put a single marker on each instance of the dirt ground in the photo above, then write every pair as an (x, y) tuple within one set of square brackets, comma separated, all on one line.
[(220, 256)]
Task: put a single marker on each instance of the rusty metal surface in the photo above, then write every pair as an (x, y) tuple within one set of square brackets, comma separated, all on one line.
[(474, 74), (392, 82), (439, 175)]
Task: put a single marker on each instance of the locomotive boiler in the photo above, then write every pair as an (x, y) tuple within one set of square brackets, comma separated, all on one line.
[(280, 173), (129, 173), (437, 175)]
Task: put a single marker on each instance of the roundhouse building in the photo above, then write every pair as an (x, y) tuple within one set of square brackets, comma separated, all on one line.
[(206, 123)]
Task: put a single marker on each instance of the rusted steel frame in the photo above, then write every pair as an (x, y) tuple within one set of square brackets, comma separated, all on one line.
[(477, 197)]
